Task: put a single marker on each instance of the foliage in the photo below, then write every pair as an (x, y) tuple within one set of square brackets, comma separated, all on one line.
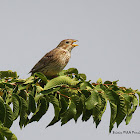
[(70, 94)]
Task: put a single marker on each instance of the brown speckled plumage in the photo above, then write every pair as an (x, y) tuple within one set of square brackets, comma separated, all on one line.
[(55, 60)]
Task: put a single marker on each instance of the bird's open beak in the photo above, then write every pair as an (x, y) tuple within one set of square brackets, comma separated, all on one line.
[(74, 45)]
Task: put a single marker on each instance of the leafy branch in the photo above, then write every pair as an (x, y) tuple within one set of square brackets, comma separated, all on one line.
[(70, 94)]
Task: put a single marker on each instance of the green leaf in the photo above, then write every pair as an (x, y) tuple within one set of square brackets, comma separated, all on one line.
[(72, 70), (16, 107), (63, 105), (22, 87), (15, 89), (132, 109), (86, 93), (52, 90), (113, 115), (128, 119), (13, 137), (23, 112), (85, 85), (86, 114), (69, 113), (98, 88), (102, 107), (1, 137), (8, 73), (134, 104), (55, 103), (82, 76), (107, 82), (41, 76), (99, 81), (61, 80), (38, 97), (29, 80), (34, 90), (138, 92), (54, 120), (113, 98), (23, 94), (92, 101), (8, 120), (135, 101), (79, 106), (115, 82), (31, 104), (128, 100), (121, 110), (128, 90), (41, 109), (2, 85), (2, 110), (97, 112), (68, 91), (7, 133), (9, 85), (62, 73), (39, 89)]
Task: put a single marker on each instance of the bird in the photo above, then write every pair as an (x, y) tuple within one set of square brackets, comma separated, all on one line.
[(55, 61)]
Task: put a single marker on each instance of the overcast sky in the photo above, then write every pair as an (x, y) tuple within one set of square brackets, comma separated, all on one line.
[(109, 48)]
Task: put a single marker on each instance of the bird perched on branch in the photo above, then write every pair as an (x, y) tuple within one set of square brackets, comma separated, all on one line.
[(55, 60)]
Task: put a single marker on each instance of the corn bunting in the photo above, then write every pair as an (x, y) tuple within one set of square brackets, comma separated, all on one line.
[(55, 60)]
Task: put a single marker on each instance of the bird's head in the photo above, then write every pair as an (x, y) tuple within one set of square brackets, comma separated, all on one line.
[(67, 44)]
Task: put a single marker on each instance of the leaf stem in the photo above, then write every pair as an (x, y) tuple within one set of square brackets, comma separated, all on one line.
[(63, 95)]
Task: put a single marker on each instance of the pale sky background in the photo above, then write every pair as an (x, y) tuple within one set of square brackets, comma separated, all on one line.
[(109, 48)]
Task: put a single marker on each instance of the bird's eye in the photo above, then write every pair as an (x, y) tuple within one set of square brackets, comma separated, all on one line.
[(67, 42)]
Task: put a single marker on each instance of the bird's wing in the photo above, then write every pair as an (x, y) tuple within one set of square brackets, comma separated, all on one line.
[(44, 61)]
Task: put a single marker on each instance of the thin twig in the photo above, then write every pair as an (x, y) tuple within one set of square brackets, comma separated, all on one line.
[(102, 84), (63, 95)]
